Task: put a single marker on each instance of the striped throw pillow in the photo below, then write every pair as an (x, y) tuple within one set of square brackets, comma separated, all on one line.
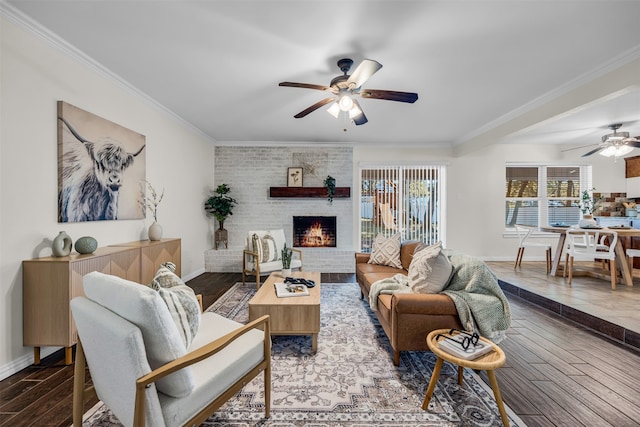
[(180, 299), (266, 248)]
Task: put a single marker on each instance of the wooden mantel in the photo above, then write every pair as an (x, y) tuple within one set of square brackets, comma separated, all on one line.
[(309, 192)]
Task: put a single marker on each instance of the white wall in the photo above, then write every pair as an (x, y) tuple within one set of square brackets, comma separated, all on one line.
[(35, 73), (475, 189)]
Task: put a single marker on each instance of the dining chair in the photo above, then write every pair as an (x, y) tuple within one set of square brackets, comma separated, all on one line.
[(631, 254), (523, 235), (589, 245)]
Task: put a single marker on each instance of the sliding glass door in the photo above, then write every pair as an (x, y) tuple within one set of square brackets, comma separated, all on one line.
[(404, 199)]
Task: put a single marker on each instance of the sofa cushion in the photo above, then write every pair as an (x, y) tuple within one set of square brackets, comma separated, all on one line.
[(386, 250), (180, 299), (430, 270), (143, 307), (407, 250)]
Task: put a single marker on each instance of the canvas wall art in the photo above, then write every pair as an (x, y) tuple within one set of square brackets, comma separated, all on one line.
[(101, 168)]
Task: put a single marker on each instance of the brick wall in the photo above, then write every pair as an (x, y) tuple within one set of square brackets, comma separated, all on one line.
[(250, 171)]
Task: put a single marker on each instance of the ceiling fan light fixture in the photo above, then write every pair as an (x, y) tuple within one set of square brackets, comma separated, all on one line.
[(334, 109), (616, 151), (354, 112), (346, 103)]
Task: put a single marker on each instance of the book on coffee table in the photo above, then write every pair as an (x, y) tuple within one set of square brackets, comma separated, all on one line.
[(472, 352), (285, 290)]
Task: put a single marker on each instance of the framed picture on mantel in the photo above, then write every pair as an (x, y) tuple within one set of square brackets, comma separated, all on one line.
[(294, 177)]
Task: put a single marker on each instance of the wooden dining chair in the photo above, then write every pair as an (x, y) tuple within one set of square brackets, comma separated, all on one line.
[(523, 236), (587, 245)]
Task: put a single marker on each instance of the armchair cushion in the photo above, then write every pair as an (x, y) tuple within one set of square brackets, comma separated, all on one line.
[(145, 308), (180, 299), (267, 244)]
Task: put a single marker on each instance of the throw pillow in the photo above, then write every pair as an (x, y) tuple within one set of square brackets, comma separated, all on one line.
[(430, 270), (386, 251), (265, 246), (180, 299)]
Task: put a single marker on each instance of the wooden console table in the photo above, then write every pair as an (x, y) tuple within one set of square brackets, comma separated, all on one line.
[(50, 283)]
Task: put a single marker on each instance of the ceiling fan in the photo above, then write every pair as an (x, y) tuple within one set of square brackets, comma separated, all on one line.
[(345, 87), (614, 144)]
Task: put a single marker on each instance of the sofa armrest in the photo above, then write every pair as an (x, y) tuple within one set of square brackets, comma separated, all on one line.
[(362, 258), (438, 304)]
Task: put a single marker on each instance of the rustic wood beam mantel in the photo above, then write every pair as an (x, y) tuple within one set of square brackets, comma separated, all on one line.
[(310, 192)]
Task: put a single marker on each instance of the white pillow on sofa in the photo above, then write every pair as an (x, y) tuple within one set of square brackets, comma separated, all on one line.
[(142, 306), (386, 250), (430, 269)]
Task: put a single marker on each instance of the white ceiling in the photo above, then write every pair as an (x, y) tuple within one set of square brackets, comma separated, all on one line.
[(475, 64)]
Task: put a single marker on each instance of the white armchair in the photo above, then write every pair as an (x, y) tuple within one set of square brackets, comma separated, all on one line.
[(263, 254), (140, 366)]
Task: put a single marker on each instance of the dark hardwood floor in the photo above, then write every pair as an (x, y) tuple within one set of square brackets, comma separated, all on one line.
[(557, 373)]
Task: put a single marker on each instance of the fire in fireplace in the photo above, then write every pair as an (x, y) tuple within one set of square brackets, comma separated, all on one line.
[(314, 231)]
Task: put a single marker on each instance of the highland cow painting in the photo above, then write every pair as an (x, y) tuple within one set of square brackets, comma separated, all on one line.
[(101, 168)]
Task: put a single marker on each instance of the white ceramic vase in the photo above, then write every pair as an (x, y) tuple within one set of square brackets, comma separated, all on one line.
[(286, 272), (61, 245), (155, 231), (587, 221)]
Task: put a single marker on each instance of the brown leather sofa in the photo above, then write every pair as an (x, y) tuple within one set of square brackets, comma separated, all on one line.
[(407, 318)]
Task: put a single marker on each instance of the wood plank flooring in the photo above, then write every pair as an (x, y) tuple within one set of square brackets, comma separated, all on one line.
[(558, 372)]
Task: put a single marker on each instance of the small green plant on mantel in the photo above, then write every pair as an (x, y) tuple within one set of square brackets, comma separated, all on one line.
[(330, 185), (220, 205), (287, 253)]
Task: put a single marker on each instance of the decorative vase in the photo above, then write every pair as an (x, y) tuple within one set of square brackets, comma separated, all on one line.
[(61, 245), (86, 245), (587, 221), (286, 272), (155, 231), (221, 236)]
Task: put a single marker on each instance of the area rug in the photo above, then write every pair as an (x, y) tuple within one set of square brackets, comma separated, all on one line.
[(350, 381)]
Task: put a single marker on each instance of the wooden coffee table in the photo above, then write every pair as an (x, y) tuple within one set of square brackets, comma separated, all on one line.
[(289, 316)]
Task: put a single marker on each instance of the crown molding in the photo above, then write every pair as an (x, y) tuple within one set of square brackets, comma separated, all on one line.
[(16, 16)]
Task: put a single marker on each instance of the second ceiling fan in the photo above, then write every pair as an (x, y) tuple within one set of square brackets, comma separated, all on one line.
[(346, 86), (615, 144)]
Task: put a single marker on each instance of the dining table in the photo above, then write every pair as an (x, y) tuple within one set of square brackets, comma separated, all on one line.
[(624, 235)]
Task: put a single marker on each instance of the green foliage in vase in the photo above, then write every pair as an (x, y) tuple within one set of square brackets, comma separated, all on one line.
[(220, 204)]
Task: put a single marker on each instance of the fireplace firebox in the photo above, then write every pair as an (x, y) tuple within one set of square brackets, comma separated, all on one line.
[(314, 231)]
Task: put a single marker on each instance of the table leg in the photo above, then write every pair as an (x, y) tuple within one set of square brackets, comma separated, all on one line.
[(621, 259), (498, 396), (36, 355), (432, 384), (460, 375), (68, 355), (558, 258), (314, 342)]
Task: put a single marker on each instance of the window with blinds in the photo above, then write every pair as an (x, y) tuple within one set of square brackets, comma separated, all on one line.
[(544, 195), (405, 199)]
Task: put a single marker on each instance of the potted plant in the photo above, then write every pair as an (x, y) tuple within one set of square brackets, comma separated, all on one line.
[(220, 205), (587, 206), (330, 185), (287, 253)]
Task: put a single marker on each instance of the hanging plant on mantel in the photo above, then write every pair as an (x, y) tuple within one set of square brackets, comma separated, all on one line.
[(330, 185)]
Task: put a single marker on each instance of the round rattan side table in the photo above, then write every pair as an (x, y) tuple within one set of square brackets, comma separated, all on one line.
[(488, 362)]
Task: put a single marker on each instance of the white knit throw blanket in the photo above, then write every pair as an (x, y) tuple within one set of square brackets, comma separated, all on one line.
[(474, 289)]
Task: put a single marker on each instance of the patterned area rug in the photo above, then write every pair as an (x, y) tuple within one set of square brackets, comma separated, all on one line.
[(350, 381)]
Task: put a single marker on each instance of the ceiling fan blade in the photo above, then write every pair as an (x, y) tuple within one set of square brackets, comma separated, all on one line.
[(360, 119), (389, 95), (314, 107), (580, 147), (304, 86), (366, 69), (594, 151), (633, 143)]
